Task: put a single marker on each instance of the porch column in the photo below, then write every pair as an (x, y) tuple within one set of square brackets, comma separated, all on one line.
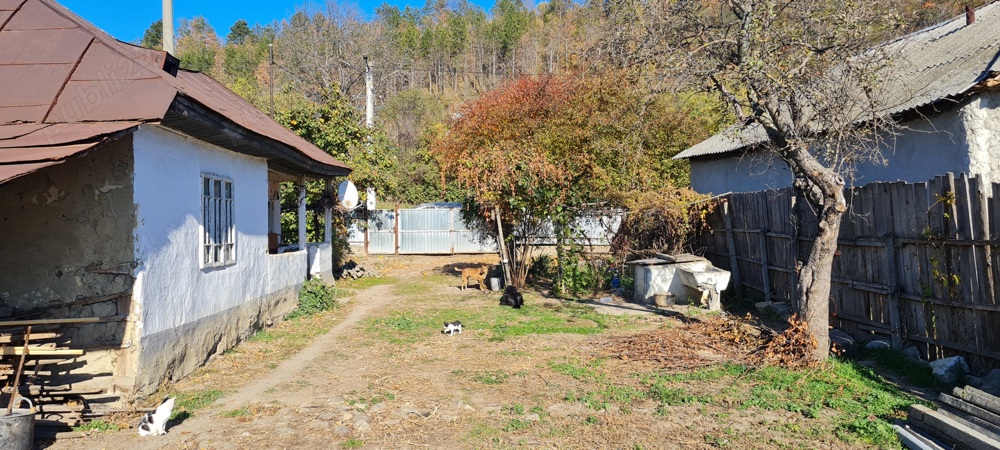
[(327, 217), (302, 213)]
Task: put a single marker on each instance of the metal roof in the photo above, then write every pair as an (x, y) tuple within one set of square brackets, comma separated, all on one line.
[(945, 61), (68, 87)]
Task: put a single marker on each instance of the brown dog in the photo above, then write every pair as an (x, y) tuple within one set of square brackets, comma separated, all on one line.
[(474, 273)]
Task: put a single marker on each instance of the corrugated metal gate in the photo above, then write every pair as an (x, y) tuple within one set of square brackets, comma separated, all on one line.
[(423, 232)]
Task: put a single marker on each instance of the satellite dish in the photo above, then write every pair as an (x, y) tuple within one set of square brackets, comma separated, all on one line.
[(370, 198), (348, 194)]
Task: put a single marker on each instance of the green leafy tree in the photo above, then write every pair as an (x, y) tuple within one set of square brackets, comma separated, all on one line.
[(153, 37), (197, 44)]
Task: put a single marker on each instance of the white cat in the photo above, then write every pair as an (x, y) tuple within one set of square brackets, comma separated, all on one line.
[(452, 327), (155, 423)]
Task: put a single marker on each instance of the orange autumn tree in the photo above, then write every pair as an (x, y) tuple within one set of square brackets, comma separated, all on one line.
[(542, 150)]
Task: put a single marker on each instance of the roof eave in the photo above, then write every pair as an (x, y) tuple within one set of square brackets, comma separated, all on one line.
[(194, 119)]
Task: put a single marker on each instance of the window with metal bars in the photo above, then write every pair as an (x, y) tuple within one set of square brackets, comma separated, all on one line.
[(219, 236)]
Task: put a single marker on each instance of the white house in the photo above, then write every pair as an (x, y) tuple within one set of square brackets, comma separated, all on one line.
[(946, 93), (143, 195)]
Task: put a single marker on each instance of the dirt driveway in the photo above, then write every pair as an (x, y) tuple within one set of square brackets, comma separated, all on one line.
[(385, 377)]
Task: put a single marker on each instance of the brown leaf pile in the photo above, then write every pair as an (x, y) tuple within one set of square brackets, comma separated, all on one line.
[(718, 339), (792, 349)]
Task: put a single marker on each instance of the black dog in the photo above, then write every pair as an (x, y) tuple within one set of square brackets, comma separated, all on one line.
[(511, 297)]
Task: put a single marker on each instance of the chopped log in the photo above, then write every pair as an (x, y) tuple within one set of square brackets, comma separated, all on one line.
[(969, 408), (82, 301), (948, 430), (978, 398), (39, 351), (59, 408), (18, 337), (21, 323)]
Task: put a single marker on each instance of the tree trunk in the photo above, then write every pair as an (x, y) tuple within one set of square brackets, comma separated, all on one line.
[(824, 190)]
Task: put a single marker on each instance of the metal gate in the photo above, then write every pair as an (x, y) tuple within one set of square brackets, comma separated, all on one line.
[(422, 232)]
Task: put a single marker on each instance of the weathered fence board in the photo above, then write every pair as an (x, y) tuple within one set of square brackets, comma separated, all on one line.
[(918, 263)]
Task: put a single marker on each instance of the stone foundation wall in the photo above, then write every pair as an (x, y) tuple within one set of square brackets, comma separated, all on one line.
[(172, 354)]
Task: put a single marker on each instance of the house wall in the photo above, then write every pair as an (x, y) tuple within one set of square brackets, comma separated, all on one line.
[(925, 149), (190, 313), (981, 119), (66, 236)]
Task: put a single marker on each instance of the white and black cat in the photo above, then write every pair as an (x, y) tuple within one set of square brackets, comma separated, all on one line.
[(452, 327), (155, 423)]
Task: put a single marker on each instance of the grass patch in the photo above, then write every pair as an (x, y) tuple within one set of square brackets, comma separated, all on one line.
[(364, 282), (99, 426), (352, 443), (236, 413), (315, 296), (480, 432), (516, 425), (896, 363), (193, 401), (491, 377)]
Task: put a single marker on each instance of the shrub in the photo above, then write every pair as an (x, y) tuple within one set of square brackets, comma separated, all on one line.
[(315, 296)]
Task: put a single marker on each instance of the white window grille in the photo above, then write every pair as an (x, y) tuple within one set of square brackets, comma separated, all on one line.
[(219, 237)]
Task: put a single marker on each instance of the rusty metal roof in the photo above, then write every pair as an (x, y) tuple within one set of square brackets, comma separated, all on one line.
[(68, 86), (942, 62)]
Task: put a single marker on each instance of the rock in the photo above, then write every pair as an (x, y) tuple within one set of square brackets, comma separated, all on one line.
[(912, 352), (329, 417), (360, 406), (342, 431), (468, 409), (949, 370), (991, 382), (377, 408), (532, 417), (842, 339), (878, 344), (245, 434), (973, 381), (362, 426)]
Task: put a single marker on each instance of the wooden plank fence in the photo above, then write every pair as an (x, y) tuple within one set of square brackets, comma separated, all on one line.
[(917, 264)]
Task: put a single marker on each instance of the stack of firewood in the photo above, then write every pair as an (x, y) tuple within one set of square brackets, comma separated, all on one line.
[(33, 357), (970, 419)]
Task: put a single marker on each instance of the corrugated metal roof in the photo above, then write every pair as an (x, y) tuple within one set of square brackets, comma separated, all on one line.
[(940, 62), (63, 75)]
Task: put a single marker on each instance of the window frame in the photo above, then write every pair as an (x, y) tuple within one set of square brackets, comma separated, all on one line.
[(217, 244)]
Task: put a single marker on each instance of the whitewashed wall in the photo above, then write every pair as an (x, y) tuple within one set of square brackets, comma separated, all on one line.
[(172, 286), (189, 312), (961, 140)]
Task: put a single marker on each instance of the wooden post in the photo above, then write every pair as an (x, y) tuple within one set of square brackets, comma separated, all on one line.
[(764, 268), (302, 214), (895, 324), (15, 390), (504, 263), (796, 221), (395, 231), (327, 218), (734, 264)]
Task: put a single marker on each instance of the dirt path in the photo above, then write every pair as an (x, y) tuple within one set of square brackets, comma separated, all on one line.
[(279, 392)]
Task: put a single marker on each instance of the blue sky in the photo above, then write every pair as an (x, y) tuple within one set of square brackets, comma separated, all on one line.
[(127, 20)]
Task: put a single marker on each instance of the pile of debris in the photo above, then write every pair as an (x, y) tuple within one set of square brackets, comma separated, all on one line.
[(720, 338), (969, 419), (354, 271)]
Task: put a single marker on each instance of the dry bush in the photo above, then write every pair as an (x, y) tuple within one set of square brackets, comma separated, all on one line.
[(661, 221)]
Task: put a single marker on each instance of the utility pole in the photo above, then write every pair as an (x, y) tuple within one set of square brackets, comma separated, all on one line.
[(168, 26), (270, 75), (369, 96)]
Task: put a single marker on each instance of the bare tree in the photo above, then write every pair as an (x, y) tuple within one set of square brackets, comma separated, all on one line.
[(805, 78)]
